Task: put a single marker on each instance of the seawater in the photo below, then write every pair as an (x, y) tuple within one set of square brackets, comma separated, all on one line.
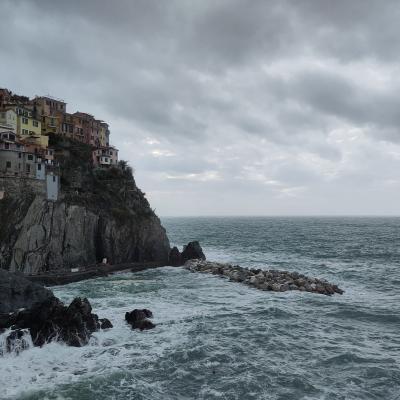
[(221, 340)]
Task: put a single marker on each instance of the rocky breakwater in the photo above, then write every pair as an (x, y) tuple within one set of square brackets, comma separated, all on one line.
[(270, 280)]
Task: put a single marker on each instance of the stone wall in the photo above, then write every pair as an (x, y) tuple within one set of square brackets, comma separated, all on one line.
[(18, 186)]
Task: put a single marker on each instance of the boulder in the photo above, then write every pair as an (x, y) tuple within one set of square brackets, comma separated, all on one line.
[(105, 323), (192, 251), (17, 341), (137, 319), (51, 320), (17, 292)]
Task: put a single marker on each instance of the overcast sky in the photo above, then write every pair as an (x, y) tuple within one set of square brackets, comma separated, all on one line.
[(236, 107)]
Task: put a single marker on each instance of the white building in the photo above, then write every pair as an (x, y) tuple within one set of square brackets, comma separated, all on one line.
[(8, 121)]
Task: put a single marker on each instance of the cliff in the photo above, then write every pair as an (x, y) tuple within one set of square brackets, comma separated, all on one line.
[(100, 213)]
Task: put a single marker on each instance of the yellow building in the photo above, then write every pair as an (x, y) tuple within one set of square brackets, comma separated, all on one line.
[(27, 126), (103, 134), (49, 125)]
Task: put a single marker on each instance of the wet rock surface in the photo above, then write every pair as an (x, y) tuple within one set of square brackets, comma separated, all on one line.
[(269, 280), (51, 320), (138, 319)]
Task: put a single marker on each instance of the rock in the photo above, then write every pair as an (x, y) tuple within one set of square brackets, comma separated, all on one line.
[(285, 287), (17, 341), (17, 292), (192, 251), (276, 287), (105, 323), (175, 258), (277, 281), (138, 319), (51, 320)]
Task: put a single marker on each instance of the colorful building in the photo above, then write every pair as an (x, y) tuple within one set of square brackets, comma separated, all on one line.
[(28, 126), (49, 106), (50, 125), (17, 161), (104, 134), (84, 123), (105, 156), (34, 120), (66, 125)]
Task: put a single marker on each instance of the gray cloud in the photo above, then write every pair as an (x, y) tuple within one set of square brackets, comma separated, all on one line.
[(235, 106)]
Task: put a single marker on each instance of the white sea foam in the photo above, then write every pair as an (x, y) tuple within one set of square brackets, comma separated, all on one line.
[(217, 339)]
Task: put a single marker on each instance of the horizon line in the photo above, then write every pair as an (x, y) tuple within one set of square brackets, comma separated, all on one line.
[(284, 216)]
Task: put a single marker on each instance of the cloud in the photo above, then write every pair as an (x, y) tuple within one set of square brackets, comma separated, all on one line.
[(235, 106)]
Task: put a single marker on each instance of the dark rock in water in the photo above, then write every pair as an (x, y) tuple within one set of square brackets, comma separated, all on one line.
[(138, 319), (175, 258), (272, 280), (17, 341), (192, 251), (105, 323), (17, 292), (51, 320)]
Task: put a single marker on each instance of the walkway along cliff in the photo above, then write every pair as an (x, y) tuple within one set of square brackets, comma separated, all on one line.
[(100, 213)]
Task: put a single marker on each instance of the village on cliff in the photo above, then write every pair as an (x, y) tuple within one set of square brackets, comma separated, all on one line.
[(25, 128)]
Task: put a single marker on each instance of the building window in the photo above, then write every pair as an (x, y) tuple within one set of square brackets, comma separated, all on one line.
[(35, 123), (30, 157), (54, 178), (8, 164), (28, 168), (25, 132), (6, 146), (25, 121)]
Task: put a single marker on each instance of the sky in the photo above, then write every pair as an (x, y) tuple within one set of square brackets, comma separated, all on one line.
[(227, 107)]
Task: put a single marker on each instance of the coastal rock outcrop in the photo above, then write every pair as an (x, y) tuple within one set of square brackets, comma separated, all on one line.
[(271, 280), (138, 319), (17, 292), (191, 251), (100, 214), (51, 320)]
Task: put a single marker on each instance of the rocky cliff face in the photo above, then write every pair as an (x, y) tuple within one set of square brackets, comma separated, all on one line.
[(99, 214)]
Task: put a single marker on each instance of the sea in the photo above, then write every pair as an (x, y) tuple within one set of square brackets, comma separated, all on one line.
[(217, 339)]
